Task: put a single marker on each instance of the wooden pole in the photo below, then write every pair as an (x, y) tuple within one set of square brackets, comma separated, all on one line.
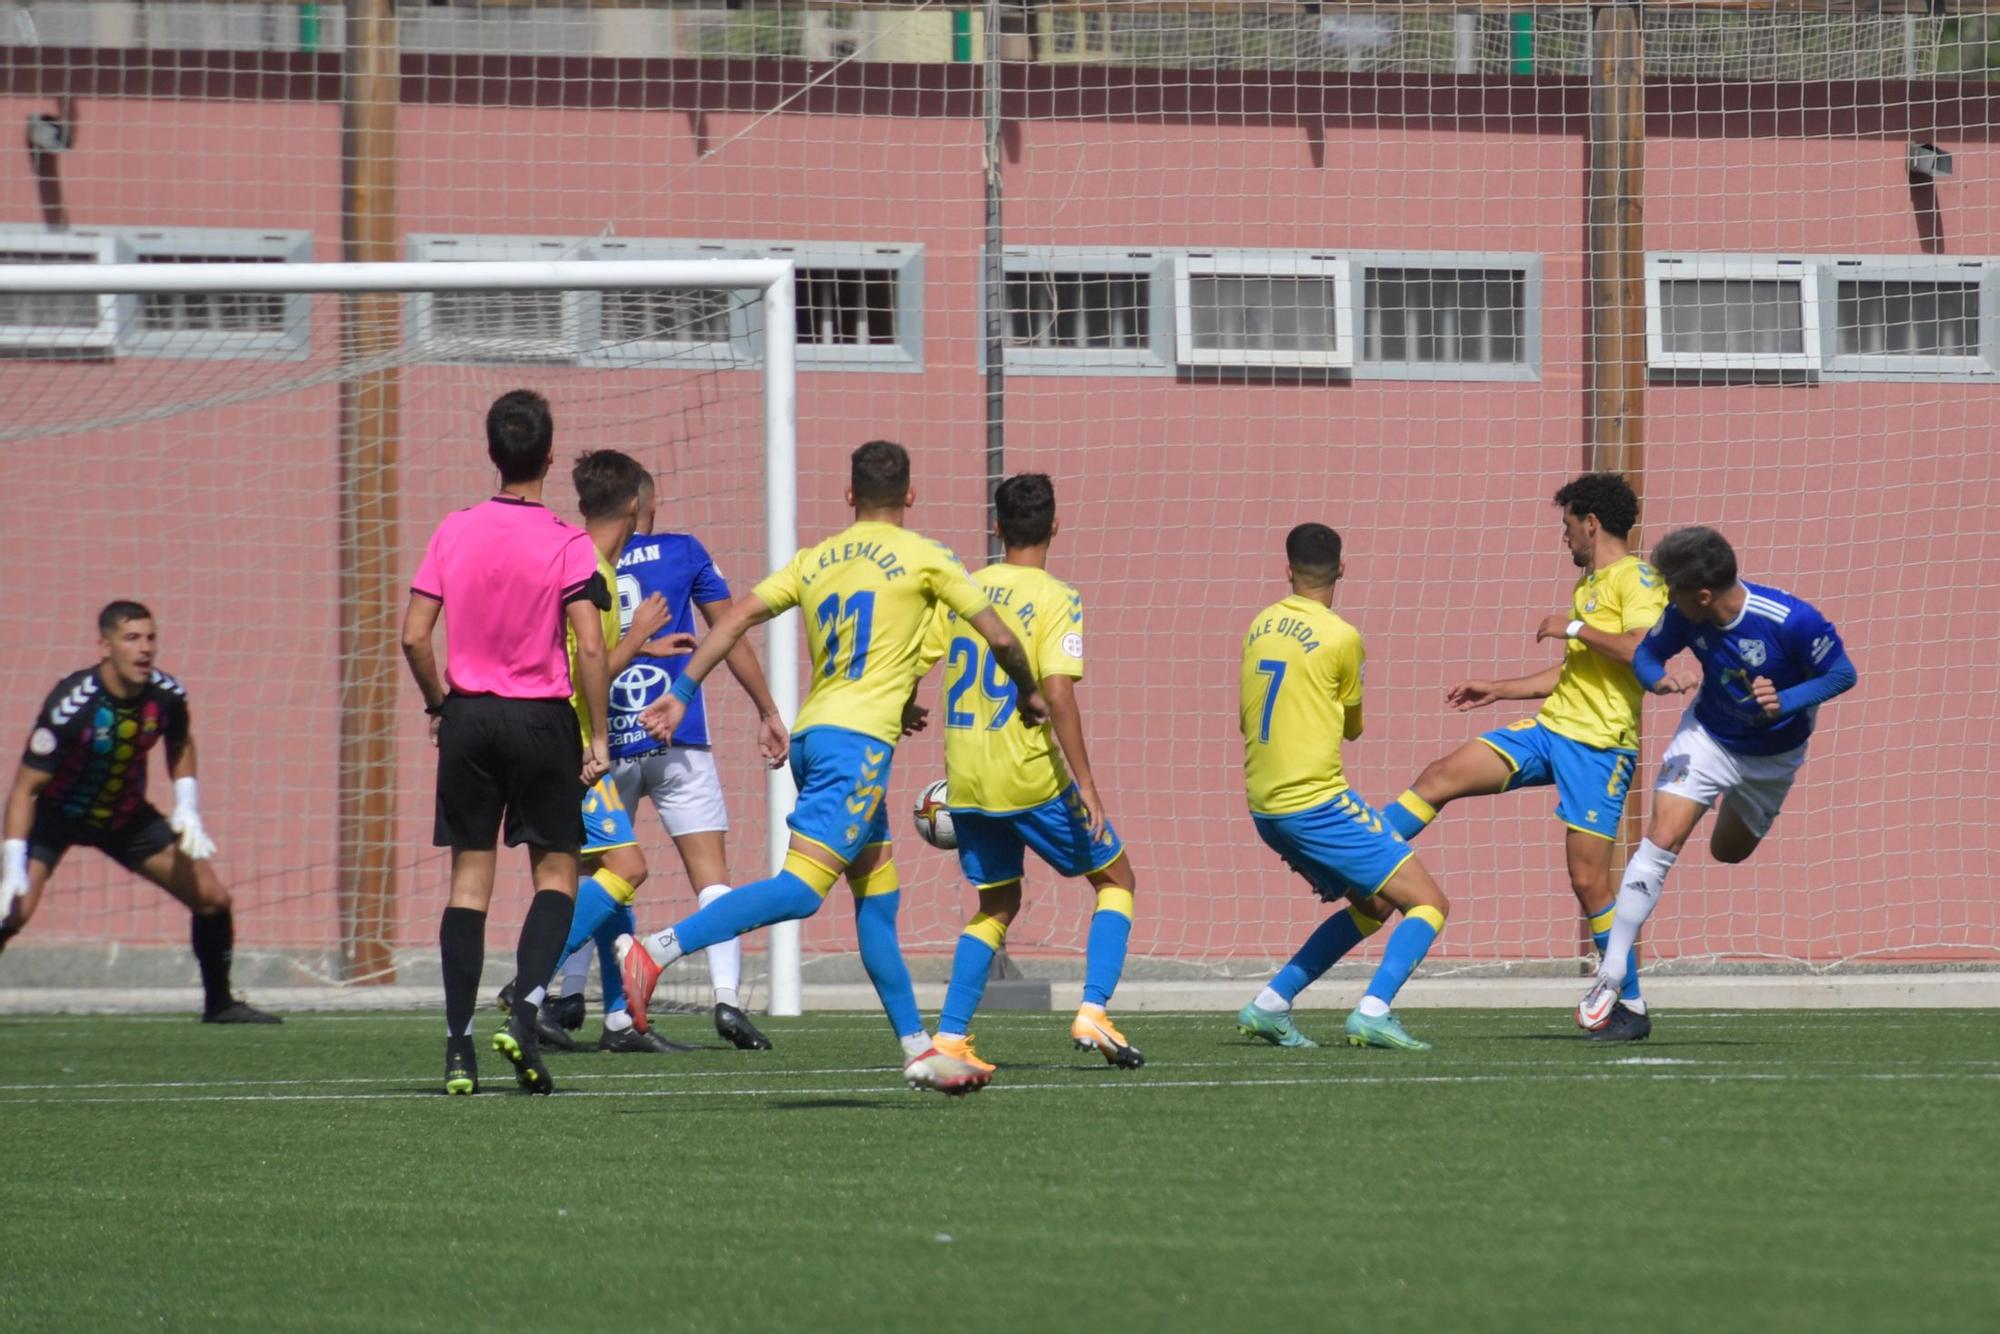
[(370, 557), (1615, 404)]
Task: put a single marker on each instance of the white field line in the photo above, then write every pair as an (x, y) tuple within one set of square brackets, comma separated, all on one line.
[(1561, 1068), (1128, 1087)]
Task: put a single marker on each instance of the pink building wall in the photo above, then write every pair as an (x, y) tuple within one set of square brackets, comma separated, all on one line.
[(1877, 500)]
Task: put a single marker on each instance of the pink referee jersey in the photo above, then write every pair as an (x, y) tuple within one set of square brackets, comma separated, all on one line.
[(504, 571)]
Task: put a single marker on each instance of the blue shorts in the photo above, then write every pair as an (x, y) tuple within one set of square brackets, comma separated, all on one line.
[(842, 778), (605, 822), (991, 848), (1342, 848), (1590, 783)]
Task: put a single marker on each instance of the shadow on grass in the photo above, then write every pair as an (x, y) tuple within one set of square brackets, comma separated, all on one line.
[(838, 1104), (1650, 1044)]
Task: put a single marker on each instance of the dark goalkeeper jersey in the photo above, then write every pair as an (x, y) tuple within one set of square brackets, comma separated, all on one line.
[(96, 745)]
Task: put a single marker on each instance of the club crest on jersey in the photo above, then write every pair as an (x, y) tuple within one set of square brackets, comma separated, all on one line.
[(1752, 651)]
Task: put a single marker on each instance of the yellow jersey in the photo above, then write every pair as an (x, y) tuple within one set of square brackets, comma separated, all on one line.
[(868, 595), (1302, 670), (992, 762), (609, 619), (1597, 700)]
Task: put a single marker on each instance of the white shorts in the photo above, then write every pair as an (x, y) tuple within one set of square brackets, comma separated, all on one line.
[(683, 785), (1702, 770)]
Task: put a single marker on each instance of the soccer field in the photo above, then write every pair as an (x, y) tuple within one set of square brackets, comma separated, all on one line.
[(1812, 1170)]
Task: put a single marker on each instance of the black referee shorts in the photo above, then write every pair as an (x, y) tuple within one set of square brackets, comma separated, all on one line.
[(520, 760), (130, 844)]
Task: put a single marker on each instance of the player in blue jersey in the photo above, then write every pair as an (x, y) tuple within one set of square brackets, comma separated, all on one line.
[(1769, 660), (663, 579)]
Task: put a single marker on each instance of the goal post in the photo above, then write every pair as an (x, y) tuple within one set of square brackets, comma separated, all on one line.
[(69, 330)]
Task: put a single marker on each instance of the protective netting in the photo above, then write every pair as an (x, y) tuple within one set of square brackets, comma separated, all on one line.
[(1262, 263)]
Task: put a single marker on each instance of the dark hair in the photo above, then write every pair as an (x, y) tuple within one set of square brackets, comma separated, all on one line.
[(607, 481), (519, 432), (1025, 505), (117, 613), (879, 474), (1691, 559), (1605, 495), (1313, 550)]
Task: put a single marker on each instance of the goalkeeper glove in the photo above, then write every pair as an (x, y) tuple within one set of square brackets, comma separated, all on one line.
[(186, 823), (13, 874)]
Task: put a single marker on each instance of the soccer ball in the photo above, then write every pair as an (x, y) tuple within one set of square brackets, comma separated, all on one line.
[(933, 817)]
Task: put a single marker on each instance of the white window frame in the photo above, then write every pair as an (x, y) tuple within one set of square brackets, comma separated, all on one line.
[(1696, 268), (1529, 266), (579, 309), (113, 310), (217, 244), (1913, 269), (1157, 357), (1263, 264)]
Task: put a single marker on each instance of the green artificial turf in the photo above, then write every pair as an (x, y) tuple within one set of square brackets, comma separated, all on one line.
[(1764, 1170)]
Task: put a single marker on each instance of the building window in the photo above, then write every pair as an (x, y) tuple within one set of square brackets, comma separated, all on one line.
[(1265, 310), (1430, 317), (1908, 319), (1105, 311), (57, 321), (845, 307), (1719, 313), (693, 315)]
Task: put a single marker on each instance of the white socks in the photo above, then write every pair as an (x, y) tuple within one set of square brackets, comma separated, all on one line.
[(1638, 895), (663, 947), (1374, 1007), (1268, 999), (617, 1021), (915, 1044), (725, 958)]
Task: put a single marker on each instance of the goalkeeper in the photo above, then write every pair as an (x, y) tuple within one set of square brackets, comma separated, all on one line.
[(82, 782)]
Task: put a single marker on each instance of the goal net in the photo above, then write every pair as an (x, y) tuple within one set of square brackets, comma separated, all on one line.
[(259, 452), (1248, 265)]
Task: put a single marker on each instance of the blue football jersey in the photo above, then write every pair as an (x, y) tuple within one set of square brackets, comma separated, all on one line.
[(679, 569), (1777, 636)]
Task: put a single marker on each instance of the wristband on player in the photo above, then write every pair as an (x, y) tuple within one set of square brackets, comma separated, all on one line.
[(685, 688), (1573, 629), (435, 710), (14, 859), (185, 795)]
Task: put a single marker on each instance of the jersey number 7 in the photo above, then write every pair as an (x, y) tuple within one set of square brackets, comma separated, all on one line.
[(1273, 670)]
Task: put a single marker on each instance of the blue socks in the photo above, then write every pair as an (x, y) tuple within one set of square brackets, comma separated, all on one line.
[(1408, 944), (1409, 815), (620, 923), (782, 898), (1104, 951), (881, 955), (594, 907), (1325, 947), (971, 963)]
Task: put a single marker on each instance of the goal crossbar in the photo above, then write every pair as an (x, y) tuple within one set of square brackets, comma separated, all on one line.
[(771, 278)]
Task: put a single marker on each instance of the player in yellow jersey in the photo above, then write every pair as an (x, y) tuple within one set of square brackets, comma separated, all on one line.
[(868, 595), (1301, 697), (1585, 739), (1014, 788), (608, 483)]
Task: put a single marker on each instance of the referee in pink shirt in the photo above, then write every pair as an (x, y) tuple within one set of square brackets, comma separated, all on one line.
[(509, 577)]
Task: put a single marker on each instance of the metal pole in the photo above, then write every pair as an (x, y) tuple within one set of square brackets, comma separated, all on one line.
[(781, 649), (996, 279)]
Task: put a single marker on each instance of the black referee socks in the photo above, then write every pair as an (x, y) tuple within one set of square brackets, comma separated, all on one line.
[(462, 953), (543, 935), (214, 938)]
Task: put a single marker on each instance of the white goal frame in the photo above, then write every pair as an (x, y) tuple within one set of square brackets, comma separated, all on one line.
[(771, 278)]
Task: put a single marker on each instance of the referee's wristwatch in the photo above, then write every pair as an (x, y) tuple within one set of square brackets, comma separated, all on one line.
[(435, 710), (1573, 629)]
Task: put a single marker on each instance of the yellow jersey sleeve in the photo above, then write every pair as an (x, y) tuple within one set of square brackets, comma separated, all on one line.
[(1642, 597), (784, 588), (1059, 639), (948, 582), (936, 639)]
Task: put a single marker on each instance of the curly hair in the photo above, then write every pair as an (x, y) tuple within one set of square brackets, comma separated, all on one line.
[(1607, 495)]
